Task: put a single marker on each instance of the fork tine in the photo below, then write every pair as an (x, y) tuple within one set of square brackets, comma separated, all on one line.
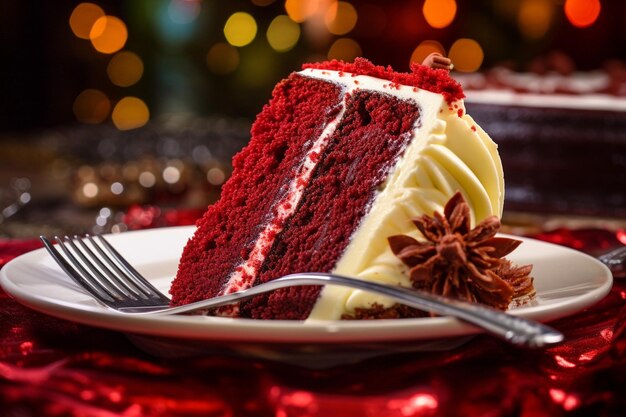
[(131, 273), (84, 264), (109, 269), (82, 278)]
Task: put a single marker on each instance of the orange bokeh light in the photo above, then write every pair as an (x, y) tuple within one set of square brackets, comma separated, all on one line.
[(108, 34), (439, 13), (125, 69), (344, 49), (301, 10), (582, 13), (91, 106), (340, 18), (83, 17), (466, 54), (130, 113), (535, 17)]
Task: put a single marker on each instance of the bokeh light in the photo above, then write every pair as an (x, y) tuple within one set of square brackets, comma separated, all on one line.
[(466, 54), (83, 17), (91, 106), (130, 113), (582, 13), (535, 17), (90, 190), (117, 188), (215, 176), (147, 179), (301, 10), (439, 13), (424, 49), (183, 12), (108, 34), (283, 33), (171, 175), (222, 58), (345, 49), (240, 29), (125, 69), (340, 18)]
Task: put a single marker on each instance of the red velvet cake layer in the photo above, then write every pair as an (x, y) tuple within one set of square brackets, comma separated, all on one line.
[(373, 133), (281, 136)]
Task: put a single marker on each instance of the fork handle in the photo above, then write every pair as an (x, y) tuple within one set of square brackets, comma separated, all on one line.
[(615, 260), (514, 329)]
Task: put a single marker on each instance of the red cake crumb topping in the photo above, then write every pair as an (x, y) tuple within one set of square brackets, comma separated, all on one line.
[(433, 80)]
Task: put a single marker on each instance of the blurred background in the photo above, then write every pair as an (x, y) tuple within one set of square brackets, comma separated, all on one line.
[(125, 114)]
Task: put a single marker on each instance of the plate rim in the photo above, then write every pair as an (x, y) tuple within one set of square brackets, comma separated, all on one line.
[(219, 329)]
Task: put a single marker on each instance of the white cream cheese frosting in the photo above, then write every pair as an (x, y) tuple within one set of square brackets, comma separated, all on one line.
[(448, 152)]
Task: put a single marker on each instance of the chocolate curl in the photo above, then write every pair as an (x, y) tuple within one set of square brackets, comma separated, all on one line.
[(438, 61), (457, 261)]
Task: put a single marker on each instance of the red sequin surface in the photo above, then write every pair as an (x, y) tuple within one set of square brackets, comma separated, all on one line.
[(52, 367)]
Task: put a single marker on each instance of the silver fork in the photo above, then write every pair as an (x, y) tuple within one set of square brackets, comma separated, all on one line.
[(98, 268)]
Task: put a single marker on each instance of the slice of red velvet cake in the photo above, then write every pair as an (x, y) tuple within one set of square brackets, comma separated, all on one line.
[(342, 157)]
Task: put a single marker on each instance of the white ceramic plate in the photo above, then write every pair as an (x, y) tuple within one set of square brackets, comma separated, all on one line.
[(566, 282)]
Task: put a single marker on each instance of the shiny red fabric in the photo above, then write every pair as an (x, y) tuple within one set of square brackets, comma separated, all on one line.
[(52, 367)]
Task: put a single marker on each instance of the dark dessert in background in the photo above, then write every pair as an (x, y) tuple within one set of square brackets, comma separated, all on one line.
[(561, 135)]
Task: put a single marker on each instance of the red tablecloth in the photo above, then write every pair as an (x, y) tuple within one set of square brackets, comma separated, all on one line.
[(52, 367)]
